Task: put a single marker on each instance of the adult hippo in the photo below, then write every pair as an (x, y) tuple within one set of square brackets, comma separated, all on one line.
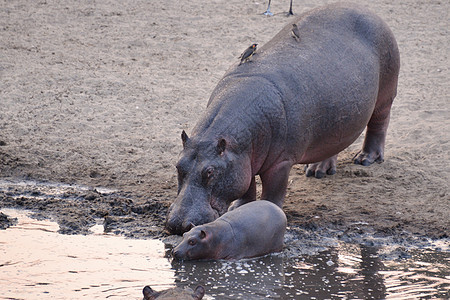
[(251, 230), (298, 100)]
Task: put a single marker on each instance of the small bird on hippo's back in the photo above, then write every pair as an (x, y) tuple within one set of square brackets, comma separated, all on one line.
[(247, 54)]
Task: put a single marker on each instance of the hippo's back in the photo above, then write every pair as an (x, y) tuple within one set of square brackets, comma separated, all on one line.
[(324, 85), (261, 210), (258, 227)]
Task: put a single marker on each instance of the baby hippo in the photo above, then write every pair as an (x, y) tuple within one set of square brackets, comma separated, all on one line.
[(176, 293), (254, 229)]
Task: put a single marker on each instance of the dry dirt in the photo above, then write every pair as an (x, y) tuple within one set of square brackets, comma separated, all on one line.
[(96, 93)]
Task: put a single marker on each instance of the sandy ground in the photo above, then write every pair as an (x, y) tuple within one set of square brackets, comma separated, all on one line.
[(98, 92)]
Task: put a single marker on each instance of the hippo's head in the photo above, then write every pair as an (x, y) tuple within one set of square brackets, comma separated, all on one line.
[(196, 244), (210, 176), (174, 293)]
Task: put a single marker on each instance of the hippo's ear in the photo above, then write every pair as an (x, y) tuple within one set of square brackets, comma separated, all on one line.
[(202, 234), (184, 138), (149, 294), (221, 146), (199, 292)]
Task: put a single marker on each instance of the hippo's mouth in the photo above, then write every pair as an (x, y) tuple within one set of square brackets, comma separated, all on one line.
[(181, 220), (174, 226)]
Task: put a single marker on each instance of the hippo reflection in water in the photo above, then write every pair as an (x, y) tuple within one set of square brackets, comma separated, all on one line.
[(298, 100)]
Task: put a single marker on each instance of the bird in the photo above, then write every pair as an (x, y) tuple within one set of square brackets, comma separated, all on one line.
[(269, 13), (295, 32), (247, 54)]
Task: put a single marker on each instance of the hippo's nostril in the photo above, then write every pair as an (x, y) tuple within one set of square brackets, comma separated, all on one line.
[(176, 254), (174, 226), (174, 229)]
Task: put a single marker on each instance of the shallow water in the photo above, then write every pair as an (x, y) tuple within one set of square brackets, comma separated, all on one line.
[(347, 272), (38, 263)]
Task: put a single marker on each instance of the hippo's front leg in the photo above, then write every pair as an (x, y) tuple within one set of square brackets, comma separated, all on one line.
[(319, 169), (249, 196), (275, 181)]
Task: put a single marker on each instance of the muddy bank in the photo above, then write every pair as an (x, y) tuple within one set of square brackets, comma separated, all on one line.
[(77, 209), (96, 94), (6, 221)]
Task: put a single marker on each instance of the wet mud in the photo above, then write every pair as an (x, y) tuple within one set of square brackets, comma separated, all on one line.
[(6, 221), (77, 208)]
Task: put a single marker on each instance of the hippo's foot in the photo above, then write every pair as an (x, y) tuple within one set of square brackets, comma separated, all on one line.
[(318, 170), (373, 149), (367, 158)]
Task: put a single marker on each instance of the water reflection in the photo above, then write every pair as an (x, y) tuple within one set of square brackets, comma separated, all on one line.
[(426, 275), (249, 279), (38, 263), (350, 272)]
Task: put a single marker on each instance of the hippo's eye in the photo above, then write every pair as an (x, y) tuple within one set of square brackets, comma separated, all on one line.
[(207, 174), (192, 242)]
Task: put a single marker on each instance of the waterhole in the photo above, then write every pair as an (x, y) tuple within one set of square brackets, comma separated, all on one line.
[(36, 262)]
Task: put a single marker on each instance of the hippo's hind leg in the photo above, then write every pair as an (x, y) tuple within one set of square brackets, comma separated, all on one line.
[(373, 147)]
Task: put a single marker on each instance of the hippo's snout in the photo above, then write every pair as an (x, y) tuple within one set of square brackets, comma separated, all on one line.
[(181, 251), (181, 220), (173, 226), (177, 254), (176, 225)]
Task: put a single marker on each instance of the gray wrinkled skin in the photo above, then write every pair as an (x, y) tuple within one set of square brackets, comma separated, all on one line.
[(254, 229), (298, 100), (174, 293)]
